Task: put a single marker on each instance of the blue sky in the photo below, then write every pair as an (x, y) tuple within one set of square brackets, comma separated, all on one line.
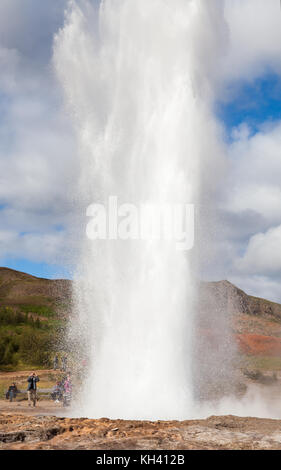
[(37, 269), (253, 102), (38, 215)]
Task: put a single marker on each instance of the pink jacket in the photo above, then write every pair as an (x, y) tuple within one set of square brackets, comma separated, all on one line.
[(67, 386)]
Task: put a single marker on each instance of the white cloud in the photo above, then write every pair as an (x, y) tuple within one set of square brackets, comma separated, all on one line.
[(250, 249), (264, 199), (256, 158), (29, 27), (255, 38), (38, 168), (50, 248), (256, 172), (263, 254), (9, 59), (258, 285), (37, 150)]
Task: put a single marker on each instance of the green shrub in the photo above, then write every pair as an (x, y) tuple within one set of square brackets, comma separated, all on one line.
[(28, 340), (35, 348), (9, 317), (8, 349), (38, 310)]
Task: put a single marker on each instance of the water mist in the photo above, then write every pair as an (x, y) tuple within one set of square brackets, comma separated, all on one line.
[(136, 76)]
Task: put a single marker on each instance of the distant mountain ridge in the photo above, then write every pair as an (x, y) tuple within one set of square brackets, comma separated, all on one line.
[(223, 312), (21, 288), (226, 296), (216, 298)]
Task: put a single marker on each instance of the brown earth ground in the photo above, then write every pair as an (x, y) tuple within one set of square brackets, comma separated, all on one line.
[(27, 430)]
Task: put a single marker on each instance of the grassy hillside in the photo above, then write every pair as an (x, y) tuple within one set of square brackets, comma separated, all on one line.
[(19, 289), (33, 312)]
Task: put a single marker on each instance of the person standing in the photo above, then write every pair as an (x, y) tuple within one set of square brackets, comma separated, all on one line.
[(32, 380), (64, 363), (67, 391), (12, 392), (57, 392), (56, 362)]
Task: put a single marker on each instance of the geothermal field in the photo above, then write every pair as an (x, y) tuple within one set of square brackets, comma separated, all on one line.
[(149, 219)]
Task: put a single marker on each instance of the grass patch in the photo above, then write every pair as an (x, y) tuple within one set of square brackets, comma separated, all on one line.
[(41, 311), (262, 363)]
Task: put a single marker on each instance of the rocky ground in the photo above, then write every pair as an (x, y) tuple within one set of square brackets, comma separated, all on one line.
[(23, 430)]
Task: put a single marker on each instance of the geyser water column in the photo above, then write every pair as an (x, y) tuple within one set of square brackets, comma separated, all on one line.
[(135, 78)]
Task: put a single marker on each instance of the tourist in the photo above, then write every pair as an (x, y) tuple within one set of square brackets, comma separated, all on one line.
[(12, 392), (56, 362), (67, 391), (32, 388), (64, 363), (57, 392)]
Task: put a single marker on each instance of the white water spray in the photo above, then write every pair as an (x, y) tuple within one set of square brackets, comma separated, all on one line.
[(135, 73)]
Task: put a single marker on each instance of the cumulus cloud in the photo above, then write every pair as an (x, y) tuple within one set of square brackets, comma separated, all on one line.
[(38, 247), (37, 150), (256, 173), (254, 37), (250, 244), (247, 238), (263, 253), (29, 27), (9, 60)]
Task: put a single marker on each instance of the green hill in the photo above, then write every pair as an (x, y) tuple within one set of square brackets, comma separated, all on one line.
[(18, 289), (33, 313)]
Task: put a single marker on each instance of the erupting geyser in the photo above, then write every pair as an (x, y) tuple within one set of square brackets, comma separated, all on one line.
[(136, 78)]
